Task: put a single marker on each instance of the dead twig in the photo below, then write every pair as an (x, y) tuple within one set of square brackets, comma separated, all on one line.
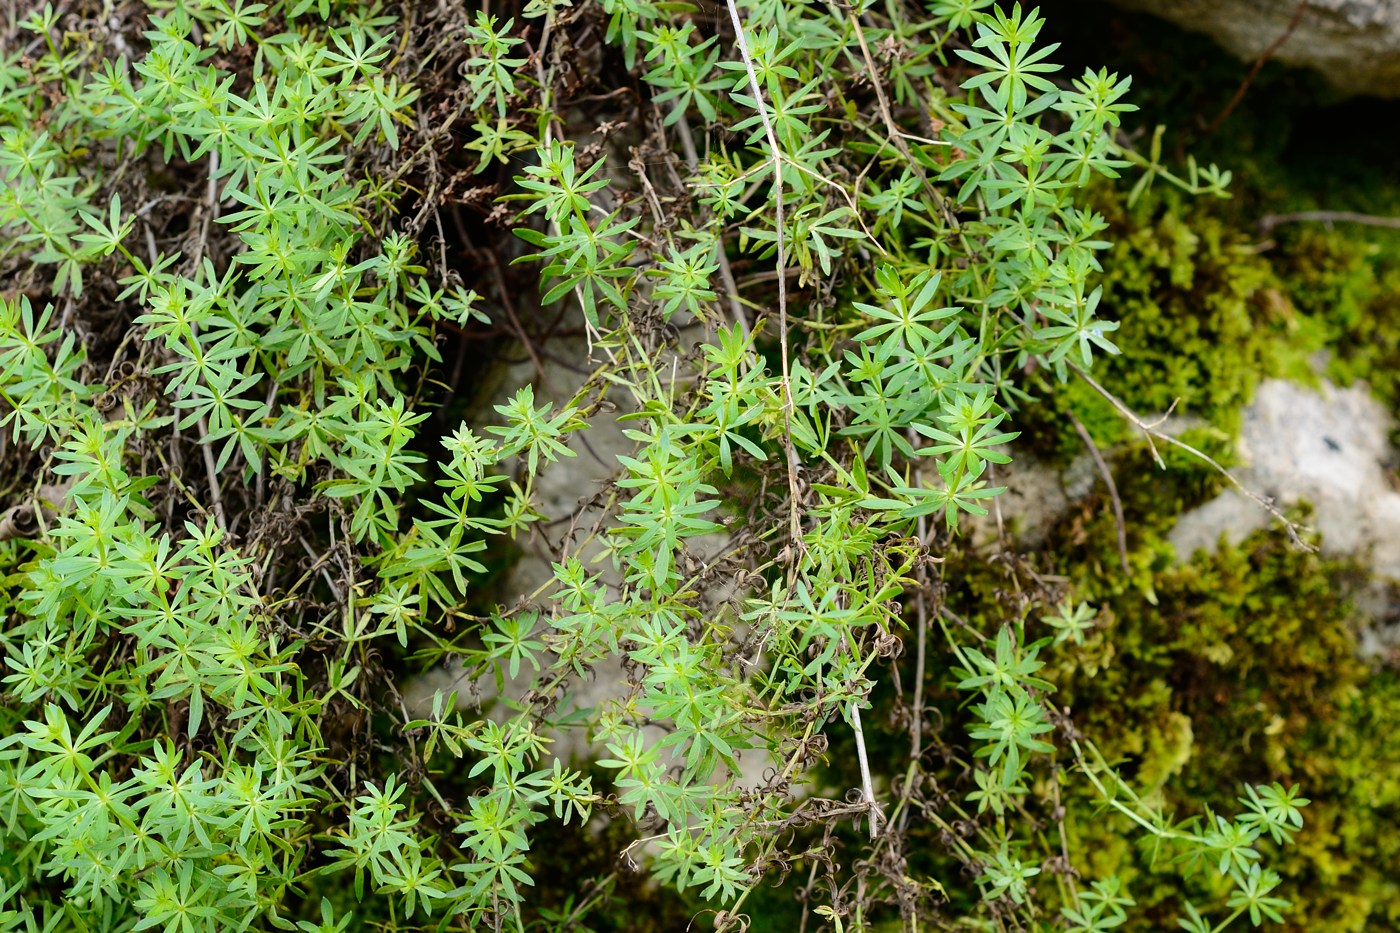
[(509, 307), (867, 785), (692, 162), (1107, 475), (208, 210), (1153, 432), (1258, 64), (895, 134), (1269, 221)]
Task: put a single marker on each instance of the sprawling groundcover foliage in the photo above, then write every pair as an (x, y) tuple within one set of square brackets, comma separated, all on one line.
[(823, 257)]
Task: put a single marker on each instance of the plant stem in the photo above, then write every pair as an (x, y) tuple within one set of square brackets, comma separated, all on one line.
[(789, 408)]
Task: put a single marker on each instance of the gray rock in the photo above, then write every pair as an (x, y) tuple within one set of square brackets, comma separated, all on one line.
[(1329, 448), (1355, 44), (563, 489), (1326, 446)]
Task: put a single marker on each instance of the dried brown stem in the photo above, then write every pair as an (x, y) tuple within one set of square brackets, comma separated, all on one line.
[(1258, 64)]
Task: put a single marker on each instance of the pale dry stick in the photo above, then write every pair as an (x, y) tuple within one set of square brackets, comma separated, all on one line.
[(996, 502), (509, 307), (867, 786), (1107, 475), (830, 183), (916, 740), (209, 466), (688, 143), (726, 274), (1270, 221), (736, 307), (850, 203), (687, 138), (260, 487), (151, 250), (211, 471), (924, 139), (692, 161), (916, 729), (806, 896), (1153, 431), (638, 168), (1070, 873), (789, 407)]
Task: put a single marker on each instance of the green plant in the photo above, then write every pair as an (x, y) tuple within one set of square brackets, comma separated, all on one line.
[(203, 735)]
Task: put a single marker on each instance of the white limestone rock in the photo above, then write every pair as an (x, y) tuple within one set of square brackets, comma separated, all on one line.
[(1329, 447)]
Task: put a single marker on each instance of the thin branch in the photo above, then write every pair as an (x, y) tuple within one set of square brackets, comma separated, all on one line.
[(208, 210), (736, 307), (1270, 221), (211, 472), (895, 134), (916, 732), (1153, 431), (509, 307), (789, 407), (916, 727), (1070, 873), (692, 161), (849, 199), (867, 786), (1107, 475), (1258, 64)]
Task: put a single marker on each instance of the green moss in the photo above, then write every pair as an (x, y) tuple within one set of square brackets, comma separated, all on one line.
[(1202, 317), (1241, 668), (1208, 302), (1348, 281), (1207, 310)]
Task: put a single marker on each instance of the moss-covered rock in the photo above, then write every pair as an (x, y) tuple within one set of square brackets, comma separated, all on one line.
[(1235, 667), (1347, 280), (1202, 318)]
